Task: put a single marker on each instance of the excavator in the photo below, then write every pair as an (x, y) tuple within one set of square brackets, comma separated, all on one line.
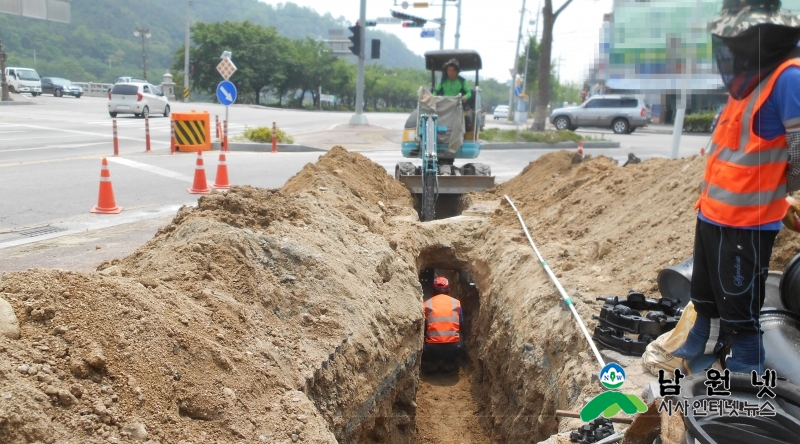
[(439, 131)]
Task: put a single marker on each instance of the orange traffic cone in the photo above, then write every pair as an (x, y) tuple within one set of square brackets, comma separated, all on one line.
[(105, 201), (200, 185), (221, 182)]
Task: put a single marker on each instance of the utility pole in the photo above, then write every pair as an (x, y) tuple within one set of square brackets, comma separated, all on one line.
[(186, 55), (145, 33), (359, 118), (441, 25), (677, 129), (514, 66), (4, 97), (458, 23)]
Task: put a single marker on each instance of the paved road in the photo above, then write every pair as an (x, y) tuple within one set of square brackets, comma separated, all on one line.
[(50, 157)]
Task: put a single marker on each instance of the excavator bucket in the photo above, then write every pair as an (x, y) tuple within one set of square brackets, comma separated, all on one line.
[(450, 184)]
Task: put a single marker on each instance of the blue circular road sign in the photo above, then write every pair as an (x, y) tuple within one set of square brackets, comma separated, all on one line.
[(226, 92)]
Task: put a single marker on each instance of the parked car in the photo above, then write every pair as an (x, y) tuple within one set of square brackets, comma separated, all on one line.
[(139, 99), (128, 80), (59, 87), (622, 114), (23, 80), (500, 111)]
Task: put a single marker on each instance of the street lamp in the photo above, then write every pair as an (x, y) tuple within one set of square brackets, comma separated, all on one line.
[(145, 33)]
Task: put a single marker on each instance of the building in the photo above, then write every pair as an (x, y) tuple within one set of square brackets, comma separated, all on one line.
[(655, 49)]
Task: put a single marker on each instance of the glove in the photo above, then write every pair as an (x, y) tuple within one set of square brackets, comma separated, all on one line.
[(792, 218)]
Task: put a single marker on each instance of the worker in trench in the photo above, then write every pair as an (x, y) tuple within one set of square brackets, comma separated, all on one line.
[(443, 321), (749, 171)]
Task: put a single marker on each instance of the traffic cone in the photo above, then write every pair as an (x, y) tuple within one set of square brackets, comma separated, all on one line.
[(221, 182), (200, 185), (580, 148), (105, 200)]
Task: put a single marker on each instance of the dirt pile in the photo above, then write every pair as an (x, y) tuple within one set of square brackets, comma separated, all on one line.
[(294, 315), (248, 318)]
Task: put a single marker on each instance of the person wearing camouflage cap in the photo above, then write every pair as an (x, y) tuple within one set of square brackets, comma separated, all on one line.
[(754, 161)]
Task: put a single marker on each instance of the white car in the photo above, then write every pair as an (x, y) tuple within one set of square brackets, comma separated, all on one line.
[(139, 99), (500, 111)]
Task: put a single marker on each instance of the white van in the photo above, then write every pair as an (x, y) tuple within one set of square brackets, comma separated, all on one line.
[(23, 80)]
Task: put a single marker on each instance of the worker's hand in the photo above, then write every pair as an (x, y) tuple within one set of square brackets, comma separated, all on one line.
[(792, 218)]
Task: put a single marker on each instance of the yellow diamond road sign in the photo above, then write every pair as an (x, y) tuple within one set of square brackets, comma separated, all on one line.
[(226, 68)]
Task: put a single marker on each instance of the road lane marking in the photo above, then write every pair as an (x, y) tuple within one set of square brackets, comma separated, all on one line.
[(53, 147), (86, 133), (152, 169)]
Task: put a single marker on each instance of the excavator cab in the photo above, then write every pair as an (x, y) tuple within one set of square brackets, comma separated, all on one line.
[(439, 131)]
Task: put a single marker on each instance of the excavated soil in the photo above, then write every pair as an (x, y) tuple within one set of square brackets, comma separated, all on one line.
[(295, 315)]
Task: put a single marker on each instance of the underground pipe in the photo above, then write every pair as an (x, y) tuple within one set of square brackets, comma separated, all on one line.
[(564, 295)]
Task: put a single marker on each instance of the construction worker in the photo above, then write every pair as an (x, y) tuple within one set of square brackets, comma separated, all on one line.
[(753, 162), (453, 84), (443, 320)]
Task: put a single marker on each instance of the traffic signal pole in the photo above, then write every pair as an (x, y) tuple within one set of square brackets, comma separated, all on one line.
[(359, 118)]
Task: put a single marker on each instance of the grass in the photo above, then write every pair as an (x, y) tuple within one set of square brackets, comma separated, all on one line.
[(499, 135), (262, 134)]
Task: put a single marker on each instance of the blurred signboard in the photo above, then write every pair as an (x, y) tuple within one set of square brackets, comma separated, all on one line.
[(53, 10)]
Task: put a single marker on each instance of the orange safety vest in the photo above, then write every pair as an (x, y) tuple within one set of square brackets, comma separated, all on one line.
[(441, 320), (744, 184)]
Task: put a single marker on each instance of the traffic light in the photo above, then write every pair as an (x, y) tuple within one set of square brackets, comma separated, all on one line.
[(376, 48), (371, 23), (356, 39), (413, 25)]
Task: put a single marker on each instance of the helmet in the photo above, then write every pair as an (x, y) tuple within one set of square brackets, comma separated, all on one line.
[(452, 62), (738, 16), (441, 285)]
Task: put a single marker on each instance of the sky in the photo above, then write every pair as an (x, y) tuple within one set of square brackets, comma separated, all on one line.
[(490, 27)]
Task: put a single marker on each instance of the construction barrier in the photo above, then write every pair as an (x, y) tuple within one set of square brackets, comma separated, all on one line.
[(116, 141), (147, 134), (192, 131)]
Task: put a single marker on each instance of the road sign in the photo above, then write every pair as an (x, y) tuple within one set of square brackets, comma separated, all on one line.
[(428, 33), (226, 93), (404, 5), (388, 21), (513, 71), (226, 68), (185, 93)]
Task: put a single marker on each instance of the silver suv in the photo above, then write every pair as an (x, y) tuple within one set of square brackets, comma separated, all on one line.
[(622, 114)]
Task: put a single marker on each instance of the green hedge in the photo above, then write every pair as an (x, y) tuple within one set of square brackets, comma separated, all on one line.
[(263, 134), (498, 135), (698, 123)]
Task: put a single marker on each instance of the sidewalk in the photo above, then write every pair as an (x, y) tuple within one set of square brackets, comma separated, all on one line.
[(353, 137)]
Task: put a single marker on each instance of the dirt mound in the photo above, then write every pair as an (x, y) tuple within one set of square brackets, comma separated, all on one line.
[(294, 315), (243, 320)]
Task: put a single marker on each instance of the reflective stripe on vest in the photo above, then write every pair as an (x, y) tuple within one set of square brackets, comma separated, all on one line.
[(744, 183), (442, 323)]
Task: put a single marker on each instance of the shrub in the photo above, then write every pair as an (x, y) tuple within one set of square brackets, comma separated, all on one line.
[(498, 135), (263, 134), (698, 123)]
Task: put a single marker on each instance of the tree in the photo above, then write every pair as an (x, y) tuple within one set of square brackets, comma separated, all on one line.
[(544, 84), (259, 54)]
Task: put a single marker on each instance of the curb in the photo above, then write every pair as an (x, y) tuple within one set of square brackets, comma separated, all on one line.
[(267, 147), (16, 103), (559, 145)]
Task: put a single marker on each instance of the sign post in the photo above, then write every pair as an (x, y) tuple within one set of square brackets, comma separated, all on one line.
[(226, 91)]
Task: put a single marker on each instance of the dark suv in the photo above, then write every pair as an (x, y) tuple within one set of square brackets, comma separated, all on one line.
[(622, 114)]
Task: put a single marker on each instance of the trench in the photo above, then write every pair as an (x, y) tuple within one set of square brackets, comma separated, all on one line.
[(448, 406)]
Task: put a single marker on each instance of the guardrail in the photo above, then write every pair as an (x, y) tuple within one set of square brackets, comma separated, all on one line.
[(94, 89)]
